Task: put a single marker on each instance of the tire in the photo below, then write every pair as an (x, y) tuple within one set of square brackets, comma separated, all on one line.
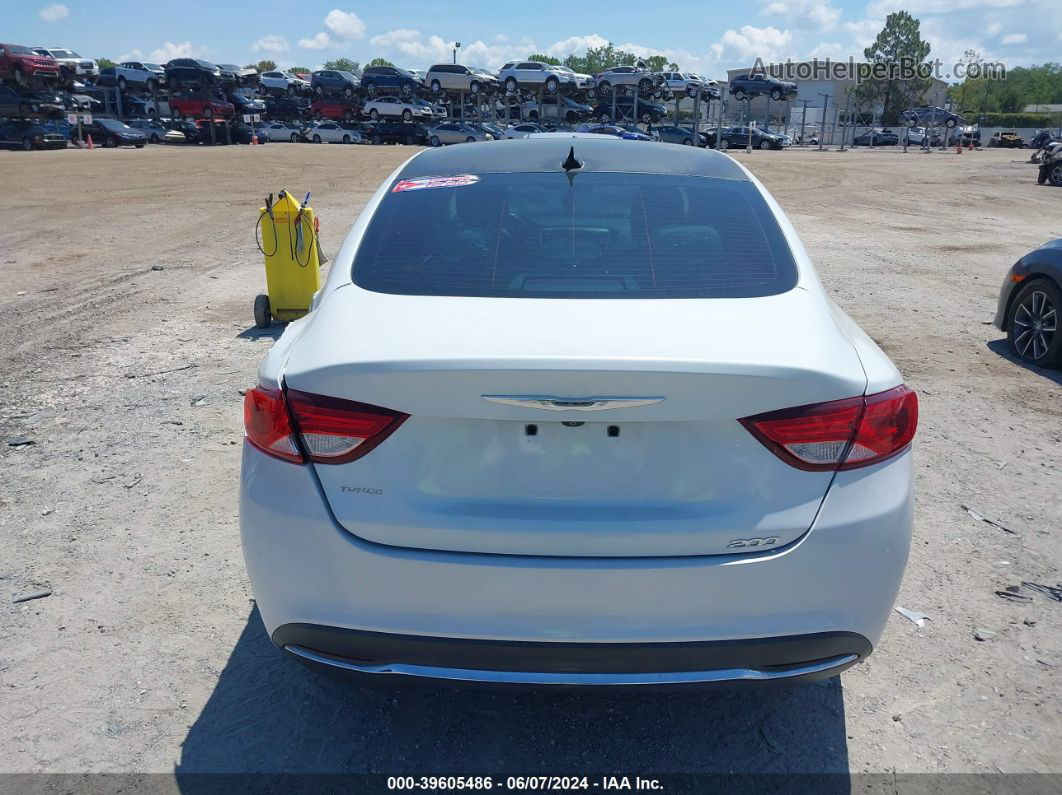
[(739, 95), (371, 88), (122, 83), (348, 92), (19, 76), (410, 140), (646, 118), (604, 118), (110, 143), (687, 142), (208, 113), (511, 86), (27, 144), (346, 139), (776, 95), (533, 115), (552, 85), (765, 145), (24, 109), (263, 318), (294, 138), (155, 139), (436, 87), (152, 113), (152, 85), (407, 115), (645, 84), (604, 89), (1040, 299), (290, 90), (724, 144), (318, 91), (317, 139), (949, 123), (435, 141), (374, 114), (470, 140), (139, 146)]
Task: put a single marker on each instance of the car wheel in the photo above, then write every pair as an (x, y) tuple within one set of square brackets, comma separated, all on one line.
[(139, 146), (208, 113), (687, 142), (949, 123), (263, 318), (374, 114), (474, 87), (435, 141), (1054, 176), (19, 76), (765, 145), (294, 138), (110, 143), (645, 85), (317, 139), (533, 115), (152, 113), (511, 85), (27, 144), (776, 95), (410, 140), (470, 140), (646, 118), (346, 139), (24, 109), (436, 87), (406, 115), (375, 139), (155, 139), (724, 144), (604, 118), (121, 83), (290, 90), (348, 92), (552, 85), (1032, 329), (604, 88), (152, 85), (371, 88)]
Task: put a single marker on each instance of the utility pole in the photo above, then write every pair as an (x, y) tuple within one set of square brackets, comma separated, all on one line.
[(803, 118), (457, 46), (847, 119), (825, 104)]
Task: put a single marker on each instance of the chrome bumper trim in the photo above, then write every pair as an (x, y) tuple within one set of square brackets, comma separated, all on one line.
[(551, 678)]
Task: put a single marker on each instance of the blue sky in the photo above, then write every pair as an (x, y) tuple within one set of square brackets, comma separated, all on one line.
[(700, 36)]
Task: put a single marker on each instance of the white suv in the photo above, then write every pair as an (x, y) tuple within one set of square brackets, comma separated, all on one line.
[(282, 81), (633, 77), (72, 65), (535, 74), (456, 77)]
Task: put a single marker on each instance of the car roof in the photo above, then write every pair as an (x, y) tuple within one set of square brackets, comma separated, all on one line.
[(544, 152)]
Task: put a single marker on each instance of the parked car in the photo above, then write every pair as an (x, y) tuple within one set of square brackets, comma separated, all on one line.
[(385, 107), (28, 135), (711, 87), (634, 78), (758, 83), (80, 102), (330, 132), (1007, 139), (522, 130), (533, 75), (876, 138), (683, 84), (126, 78), (583, 82), (193, 107), (283, 83), (494, 130), (189, 129), (242, 76), (111, 133), (1042, 139), (926, 116), (457, 77), (23, 65), (286, 107), (630, 107), (397, 132), (334, 109), (334, 81), (1030, 305), (737, 138), (283, 131), (71, 65), (25, 103), (154, 129), (916, 136), (455, 132), (437, 111), (192, 71), (615, 131), (245, 104), (558, 107), (757, 537), (673, 134), (375, 78)]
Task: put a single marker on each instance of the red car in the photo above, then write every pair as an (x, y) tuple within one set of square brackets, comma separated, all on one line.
[(334, 109), (185, 107), (22, 64)]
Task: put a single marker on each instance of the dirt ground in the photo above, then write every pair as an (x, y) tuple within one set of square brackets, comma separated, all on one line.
[(148, 656)]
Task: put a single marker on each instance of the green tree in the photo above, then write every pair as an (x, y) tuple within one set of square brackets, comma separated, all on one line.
[(105, 63), (537, 56), (899, 44), (299, 70), (672, 67), (600, 58), (378, 62), (342, 65), (656, 63), (263, 66), (994, 93)]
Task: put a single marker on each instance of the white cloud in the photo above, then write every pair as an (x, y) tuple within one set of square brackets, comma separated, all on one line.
[(411, 46), (271, 42), (54, 12), (1014, 38), (751, 42), (827, 49), (994, 28), (342, 28), (576, 45), (394, 37), (320, 41), (344, 25), (818, 14), (167, 52)]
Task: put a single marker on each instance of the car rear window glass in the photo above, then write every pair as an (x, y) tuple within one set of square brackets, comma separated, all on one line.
[(605, 235)]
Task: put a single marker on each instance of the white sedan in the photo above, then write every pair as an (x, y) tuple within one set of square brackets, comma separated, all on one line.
[(558, 417), (330, 132), (283, 82), (396, 107)]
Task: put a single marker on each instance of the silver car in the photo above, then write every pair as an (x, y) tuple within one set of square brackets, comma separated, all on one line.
[(455, 132), (283, 82), (534, 75), (71, 65), (632, 77), (396, 107), (330, 132), (457, 77)]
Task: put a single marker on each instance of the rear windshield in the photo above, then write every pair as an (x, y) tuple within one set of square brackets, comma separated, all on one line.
[(607, 235)]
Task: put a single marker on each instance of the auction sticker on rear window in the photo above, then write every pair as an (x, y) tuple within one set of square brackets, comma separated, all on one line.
[(420, 183)]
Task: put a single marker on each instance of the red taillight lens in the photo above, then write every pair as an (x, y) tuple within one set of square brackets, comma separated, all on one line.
[(335, 431), (840, 434), (265, 418)]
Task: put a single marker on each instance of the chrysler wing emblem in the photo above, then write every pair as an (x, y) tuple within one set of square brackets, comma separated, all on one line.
[(571, 404)]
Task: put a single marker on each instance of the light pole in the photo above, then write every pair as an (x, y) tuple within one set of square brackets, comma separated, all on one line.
[(457, 46)]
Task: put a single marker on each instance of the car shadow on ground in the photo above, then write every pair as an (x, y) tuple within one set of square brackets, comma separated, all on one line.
[(1001, 348), (268, 714), (254, 333)]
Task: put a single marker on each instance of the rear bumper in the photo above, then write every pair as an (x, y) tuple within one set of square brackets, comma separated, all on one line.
[(841, 577)]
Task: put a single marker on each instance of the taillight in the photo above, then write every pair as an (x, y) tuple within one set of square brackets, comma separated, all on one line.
[(840, 434), (265, 418), (330, 430)]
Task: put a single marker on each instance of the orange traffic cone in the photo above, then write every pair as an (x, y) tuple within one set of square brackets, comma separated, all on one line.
[(254, 139), (958, 147), (89, 139), (969, 145)]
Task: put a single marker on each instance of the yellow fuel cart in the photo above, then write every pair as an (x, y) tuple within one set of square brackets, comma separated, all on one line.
[(287, 237)]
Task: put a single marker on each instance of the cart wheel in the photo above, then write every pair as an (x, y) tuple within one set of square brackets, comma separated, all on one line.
[(262, 318)]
